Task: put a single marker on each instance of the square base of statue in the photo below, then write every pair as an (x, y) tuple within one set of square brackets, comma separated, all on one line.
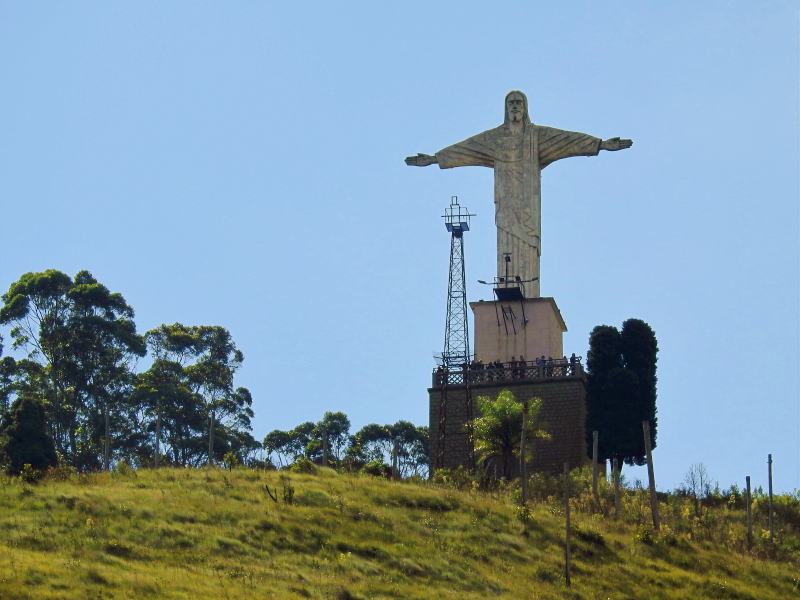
[(563, 413), (512, 329)]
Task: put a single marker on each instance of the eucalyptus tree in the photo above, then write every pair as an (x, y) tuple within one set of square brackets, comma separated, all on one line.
[(402, 443), (103, 347), (329, 437), (83, 338), (418, 457), (213, 374), (36, 307), (308, 439), (277, 443), (191, 382), (171, 413), (300, 440)]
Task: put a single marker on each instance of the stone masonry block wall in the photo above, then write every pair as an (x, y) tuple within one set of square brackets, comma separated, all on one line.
[(563, 414)]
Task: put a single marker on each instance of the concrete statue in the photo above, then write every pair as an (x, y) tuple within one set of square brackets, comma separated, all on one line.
[(518, 150)]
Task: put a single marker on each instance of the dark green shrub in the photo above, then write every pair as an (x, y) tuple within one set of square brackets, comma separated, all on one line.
[(24, 439)]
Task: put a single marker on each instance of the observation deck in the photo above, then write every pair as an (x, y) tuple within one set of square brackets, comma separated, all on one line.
[(509, 372)]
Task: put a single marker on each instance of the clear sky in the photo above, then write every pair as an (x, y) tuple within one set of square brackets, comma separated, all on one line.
[(241, 164)]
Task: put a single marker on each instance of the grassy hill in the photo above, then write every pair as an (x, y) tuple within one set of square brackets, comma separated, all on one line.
[(218, 534)]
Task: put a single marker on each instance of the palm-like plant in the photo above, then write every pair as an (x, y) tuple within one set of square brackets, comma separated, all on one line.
[(498, 431)]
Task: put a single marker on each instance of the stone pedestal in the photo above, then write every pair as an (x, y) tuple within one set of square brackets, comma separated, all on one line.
[(528, 328), (563, 413), (525, 328)]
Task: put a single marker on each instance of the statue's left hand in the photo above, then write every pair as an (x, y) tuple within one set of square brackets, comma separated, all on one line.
[(420, 160), (615, 143)]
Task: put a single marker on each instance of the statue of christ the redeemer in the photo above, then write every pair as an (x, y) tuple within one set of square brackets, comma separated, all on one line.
[(517, 151)]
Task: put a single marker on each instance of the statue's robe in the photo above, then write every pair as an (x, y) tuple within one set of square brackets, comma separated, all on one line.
[(517, 160)]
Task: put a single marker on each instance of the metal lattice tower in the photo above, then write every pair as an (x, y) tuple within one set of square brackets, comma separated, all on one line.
[(456, 355), (456, 333)]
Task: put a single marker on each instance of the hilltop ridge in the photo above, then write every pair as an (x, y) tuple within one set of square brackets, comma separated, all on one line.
[(183, 533)]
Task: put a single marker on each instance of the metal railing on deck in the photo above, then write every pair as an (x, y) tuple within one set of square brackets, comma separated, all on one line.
[(498, 372)]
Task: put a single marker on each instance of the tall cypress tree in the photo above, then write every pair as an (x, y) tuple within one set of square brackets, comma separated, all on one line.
[(640, 354), (621, 390), (603, 358)]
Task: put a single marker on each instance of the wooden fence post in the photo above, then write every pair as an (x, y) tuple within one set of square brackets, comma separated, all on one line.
[(651, 475), (106, 440), (595, 470), (749, 515), (211, 438), (158, 436), (523, 467), (615, 474), (771, 519), (567, 553)]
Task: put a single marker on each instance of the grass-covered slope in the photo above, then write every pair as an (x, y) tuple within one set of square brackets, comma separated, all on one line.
[(216, 534)]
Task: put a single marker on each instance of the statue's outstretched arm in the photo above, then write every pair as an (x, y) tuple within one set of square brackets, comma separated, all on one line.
[(421, 160), (615, 143)]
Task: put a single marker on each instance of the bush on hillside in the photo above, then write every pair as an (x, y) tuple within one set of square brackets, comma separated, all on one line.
[(24, 439), (303, 465), (377, 468)]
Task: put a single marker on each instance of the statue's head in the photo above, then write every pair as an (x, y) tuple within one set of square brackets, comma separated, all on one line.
[(516, 108)]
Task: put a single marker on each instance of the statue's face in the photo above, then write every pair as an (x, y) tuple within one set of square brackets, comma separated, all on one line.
[(515, 105)]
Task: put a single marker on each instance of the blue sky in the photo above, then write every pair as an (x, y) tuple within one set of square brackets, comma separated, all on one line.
[(241, 164)]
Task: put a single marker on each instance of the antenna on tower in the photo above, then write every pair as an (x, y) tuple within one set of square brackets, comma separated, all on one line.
[(455, 358)]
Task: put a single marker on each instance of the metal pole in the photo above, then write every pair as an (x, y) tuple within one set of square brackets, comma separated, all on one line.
[(615, 469), (749, 515), (771, 519), (595, 469), (567, 553), (651, 475), (523, 470)]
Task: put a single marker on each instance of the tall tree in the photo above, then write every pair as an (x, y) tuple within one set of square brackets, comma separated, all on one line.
[(333, 431), (172, 416), (402, 443), (621, 390), (85, 340), (640, 354), (103, 345), (192, 378), (212, 376), (299, 439), (277, 443)]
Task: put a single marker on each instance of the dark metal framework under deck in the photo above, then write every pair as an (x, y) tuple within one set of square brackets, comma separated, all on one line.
[(456, 353)]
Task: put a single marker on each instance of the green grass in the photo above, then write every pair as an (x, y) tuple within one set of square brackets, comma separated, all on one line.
[(215, 534)]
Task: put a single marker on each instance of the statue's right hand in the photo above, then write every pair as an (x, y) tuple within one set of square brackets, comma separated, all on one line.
[(420, 160)]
